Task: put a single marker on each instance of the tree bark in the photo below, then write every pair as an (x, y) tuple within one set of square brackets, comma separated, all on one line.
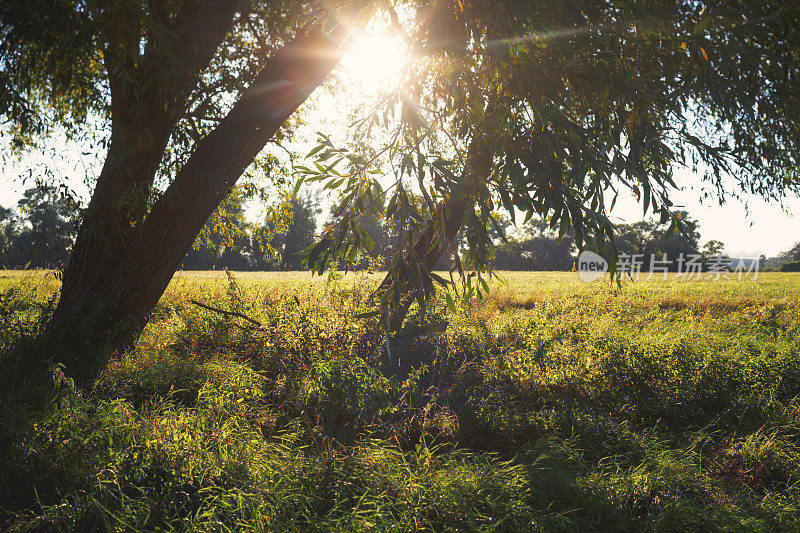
[(149, 91), (106, 299)]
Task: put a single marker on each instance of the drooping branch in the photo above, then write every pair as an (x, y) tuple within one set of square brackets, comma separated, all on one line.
[(441, 230), (207, 307)]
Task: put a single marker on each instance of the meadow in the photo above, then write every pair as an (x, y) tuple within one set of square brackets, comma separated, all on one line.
[(550, 405)]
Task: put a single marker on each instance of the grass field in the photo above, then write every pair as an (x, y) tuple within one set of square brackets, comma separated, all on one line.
[(550, 405)]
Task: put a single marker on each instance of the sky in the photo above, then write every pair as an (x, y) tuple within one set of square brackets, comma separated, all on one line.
[(747, 227)]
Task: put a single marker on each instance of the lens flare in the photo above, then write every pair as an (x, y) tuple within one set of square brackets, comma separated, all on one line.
[(375, 61)]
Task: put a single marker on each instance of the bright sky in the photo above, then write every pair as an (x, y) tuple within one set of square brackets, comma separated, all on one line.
[(373, 63), (748, 227)]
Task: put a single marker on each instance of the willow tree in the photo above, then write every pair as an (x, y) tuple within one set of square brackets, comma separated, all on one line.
[(188, 93), (554, 107), (537, 106)]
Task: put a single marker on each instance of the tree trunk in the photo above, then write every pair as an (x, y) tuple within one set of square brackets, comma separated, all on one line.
[(106, 297)]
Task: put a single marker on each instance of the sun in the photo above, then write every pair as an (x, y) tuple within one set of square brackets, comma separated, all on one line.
[(375, 61)]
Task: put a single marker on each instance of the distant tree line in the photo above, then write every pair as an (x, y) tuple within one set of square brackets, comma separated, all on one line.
[(537, 245), (39, 232), (788, 261)]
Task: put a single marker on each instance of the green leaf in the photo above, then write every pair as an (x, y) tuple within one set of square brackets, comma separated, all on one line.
[(484, 285), (451, 305), (315, 150), (297, 185)]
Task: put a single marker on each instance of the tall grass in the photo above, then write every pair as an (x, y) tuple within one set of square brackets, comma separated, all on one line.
[(549, 405)]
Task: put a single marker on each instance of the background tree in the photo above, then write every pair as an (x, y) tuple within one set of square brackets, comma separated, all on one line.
[(788, 261), (712, 249), (541, 248), (41, 235), (8, 231), (300, 233), (381, 236), (224, 241), (790, 266), (793, 254), (656, 241)]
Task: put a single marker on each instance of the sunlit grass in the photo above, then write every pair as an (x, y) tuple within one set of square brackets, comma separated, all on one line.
[(552, 404)]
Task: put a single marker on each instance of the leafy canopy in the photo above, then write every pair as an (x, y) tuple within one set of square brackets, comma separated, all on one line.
[(74, 67), (553, 108), (548, 108)]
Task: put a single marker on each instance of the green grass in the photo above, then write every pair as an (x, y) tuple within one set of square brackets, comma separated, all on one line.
[(551, 405)]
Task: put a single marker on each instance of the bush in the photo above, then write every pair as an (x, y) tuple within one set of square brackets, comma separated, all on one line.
[(344, 396)]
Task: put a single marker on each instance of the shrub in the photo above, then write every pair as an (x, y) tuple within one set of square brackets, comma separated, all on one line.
[(344, 395)]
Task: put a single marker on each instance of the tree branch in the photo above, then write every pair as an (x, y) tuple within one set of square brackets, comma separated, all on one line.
[(228, 313), (221, 157)]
